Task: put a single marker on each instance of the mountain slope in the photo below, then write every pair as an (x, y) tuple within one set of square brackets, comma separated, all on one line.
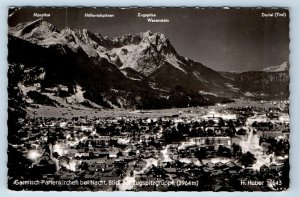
[(272, 83), (153, 55)]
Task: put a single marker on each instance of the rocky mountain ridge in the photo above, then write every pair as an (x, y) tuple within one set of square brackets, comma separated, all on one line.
[(72, 66)]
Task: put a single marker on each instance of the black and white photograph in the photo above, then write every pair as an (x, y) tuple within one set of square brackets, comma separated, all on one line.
[(148, 99)]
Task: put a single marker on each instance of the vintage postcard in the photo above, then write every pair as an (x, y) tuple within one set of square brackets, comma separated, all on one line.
[(148, 99)]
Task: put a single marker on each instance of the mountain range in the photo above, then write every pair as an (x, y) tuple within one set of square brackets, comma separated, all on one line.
[(70, 66)]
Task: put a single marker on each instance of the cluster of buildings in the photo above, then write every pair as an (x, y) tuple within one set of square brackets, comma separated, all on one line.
[(172, 152)]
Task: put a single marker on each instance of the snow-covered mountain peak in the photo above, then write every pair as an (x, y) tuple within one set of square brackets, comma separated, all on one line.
[(37, 28), (148, 37), (280, 68), (145, 52)]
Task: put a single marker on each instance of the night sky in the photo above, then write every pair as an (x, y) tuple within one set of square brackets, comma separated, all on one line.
[(222, 39)]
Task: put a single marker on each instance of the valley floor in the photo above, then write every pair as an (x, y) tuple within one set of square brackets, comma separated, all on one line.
[(77, 110)]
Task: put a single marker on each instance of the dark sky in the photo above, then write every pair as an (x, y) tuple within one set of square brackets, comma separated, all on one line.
[(223, 39)]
